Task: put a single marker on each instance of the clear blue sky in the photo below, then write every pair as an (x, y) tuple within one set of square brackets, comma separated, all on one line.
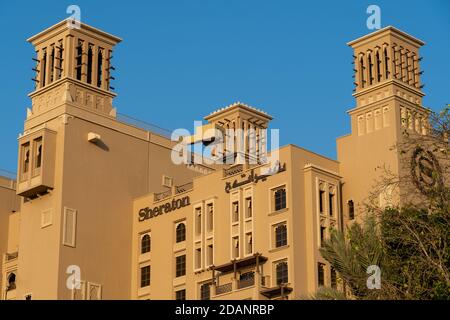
[(180, 60)]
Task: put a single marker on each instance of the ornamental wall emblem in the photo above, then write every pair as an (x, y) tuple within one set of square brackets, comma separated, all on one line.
[(426, 172)]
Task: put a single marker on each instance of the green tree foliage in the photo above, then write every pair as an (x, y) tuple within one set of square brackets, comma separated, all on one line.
[(409, 242)]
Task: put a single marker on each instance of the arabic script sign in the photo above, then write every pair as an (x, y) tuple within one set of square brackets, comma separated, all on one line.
[(426, 172), (253, 177)]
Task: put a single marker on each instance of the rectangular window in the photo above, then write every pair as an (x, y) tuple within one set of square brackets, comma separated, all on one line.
[(279, 196), (198, 221), (248, 243), (321, 200), (198, 258), (280, 235), (205, 291), (333, 278), (210, 255), (79, 292), (320, 274), (46, 218), (145, 276), (167, 181), (180, 266), (180, 294), (70, 223), (331, 203), (248, 207), (235, 213), (322, 234), (351, 210), (210, 216), (235, 248), (94, 291)]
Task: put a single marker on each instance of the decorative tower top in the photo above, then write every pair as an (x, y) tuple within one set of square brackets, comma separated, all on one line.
[(73, 65), (387, 57)]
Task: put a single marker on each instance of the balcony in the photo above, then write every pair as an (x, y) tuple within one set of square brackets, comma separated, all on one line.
[(233, 170)]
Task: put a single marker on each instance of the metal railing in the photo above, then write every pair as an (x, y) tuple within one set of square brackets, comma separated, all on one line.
[(224, 288), (144, 125), (233, 170)]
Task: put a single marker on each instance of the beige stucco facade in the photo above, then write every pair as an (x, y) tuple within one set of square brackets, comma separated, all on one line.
[(90, 186)]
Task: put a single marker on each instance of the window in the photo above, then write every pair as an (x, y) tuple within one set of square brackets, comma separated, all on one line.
[(11, 282), (370, 65), (145, 276), (248, 207), (180, 294), (248, 243), (210, 255), (180, 266), (235, 213), (378, 65), (321, 200), (26, 157), (331, 203), (44, 67), (198, 221), (79, 290), (205, 291), (351, 210), (46, 218), (320, 274), (322, 234), (235, 248), (280, 235), (181, 232), (95, 290), (361, 71), (79, 60), (89, 64), (282, 273), (28, 297), (70, 222), (38, 146), (386, 64), (280, 199), (52, 63), (198, 258), (210, 216), (333, 278), (145, 244), (167, 181), (99, 67)]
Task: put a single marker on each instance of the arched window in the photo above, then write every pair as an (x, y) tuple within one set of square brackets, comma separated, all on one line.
[(26, 162), (89, 64), (378, 61), (145, 244), (11, 282), (361, 71), (282, 273), (99, 68), (370, 65), (351, 210), (181, 232), (39, 157), (386, 64), (78, 60)]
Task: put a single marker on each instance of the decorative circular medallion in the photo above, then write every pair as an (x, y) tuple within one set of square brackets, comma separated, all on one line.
[(426, 171)]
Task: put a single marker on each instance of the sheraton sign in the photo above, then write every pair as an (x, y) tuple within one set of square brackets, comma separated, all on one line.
[(175, 204)]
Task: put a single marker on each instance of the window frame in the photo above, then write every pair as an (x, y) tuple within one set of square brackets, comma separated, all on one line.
[(182, 271)]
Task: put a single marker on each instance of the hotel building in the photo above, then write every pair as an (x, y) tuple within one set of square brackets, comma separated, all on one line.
[(101, 198)]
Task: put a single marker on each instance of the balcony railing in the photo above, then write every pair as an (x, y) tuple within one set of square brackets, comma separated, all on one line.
[(233, 170), (162, 195), (246, 283), (224, 288), (184, 187)]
